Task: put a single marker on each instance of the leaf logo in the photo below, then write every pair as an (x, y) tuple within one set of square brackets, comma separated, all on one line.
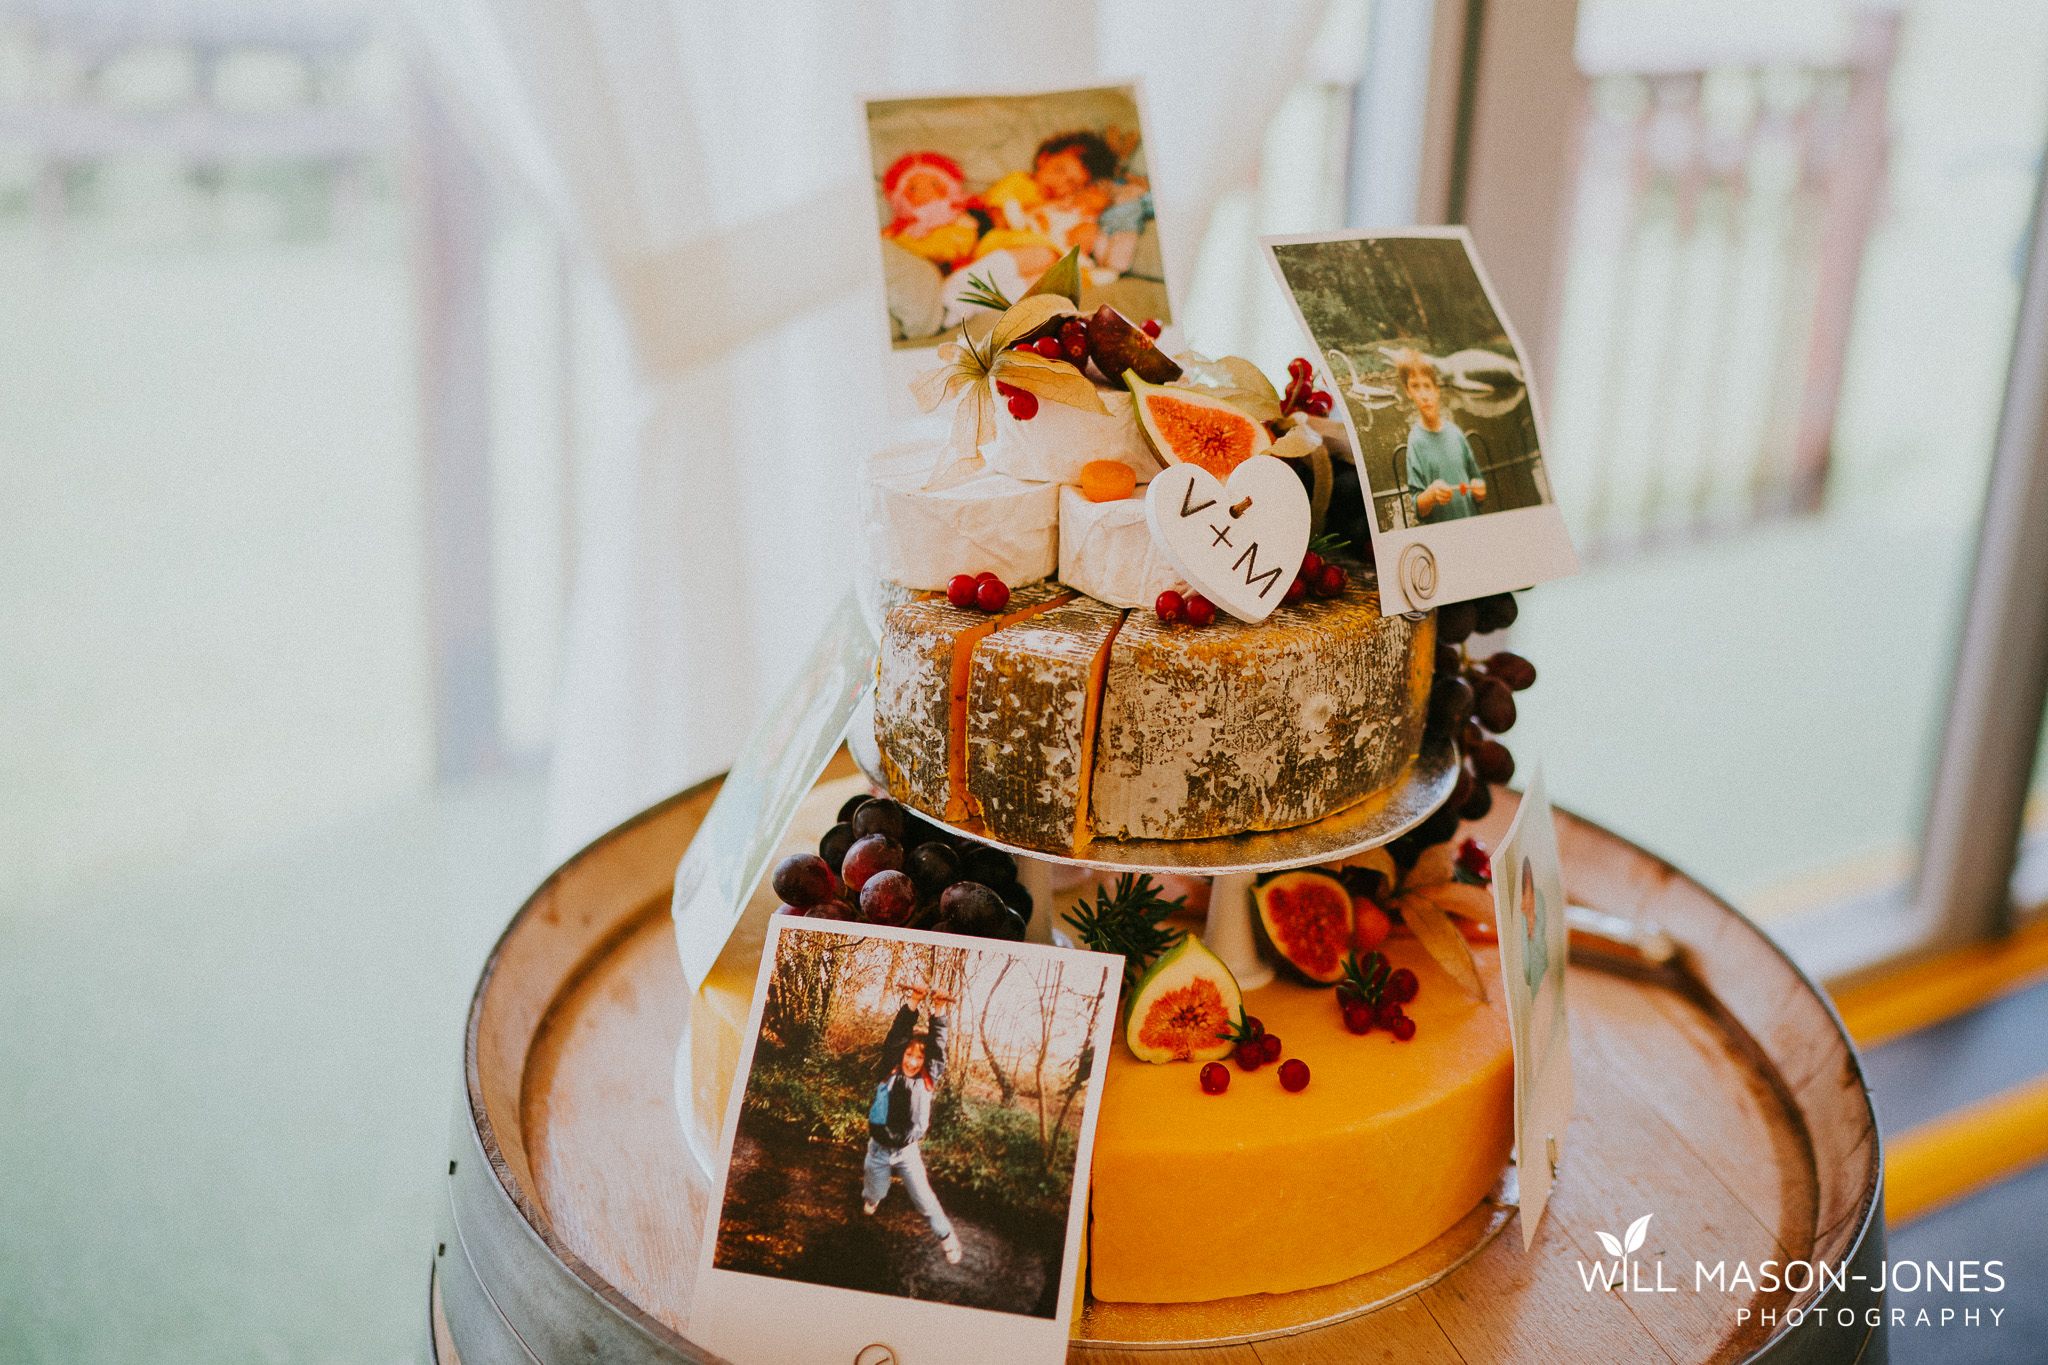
[(1629, 1240)]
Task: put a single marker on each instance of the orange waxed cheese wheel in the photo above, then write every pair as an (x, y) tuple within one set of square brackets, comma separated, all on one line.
[(1107, 481), (1260, 1190)]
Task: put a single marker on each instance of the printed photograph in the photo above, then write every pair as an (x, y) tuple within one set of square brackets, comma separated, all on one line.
[(1435, 389), (912, 1117), (981, 193)]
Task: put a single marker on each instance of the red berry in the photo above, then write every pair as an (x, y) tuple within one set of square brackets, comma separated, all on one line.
[(1472, 857), (1385, 1013), (1255, 1026), (1007, 390), (1201, 611), (1299, 368), (992, 595), (1271, 1042), (987, 576), (1296, 592), (1169, 605), (1294, 1074), (1049, 347), (1358, 1016), (1215, 1078), (1023, 406), (1404, 1028), (960, 589), (1251, 1056), (1319, 405), (1402, 986), (1311, 565), (1330, 580), (1151, 328)]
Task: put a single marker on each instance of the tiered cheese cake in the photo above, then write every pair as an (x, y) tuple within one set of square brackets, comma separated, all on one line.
[(1046, 681)]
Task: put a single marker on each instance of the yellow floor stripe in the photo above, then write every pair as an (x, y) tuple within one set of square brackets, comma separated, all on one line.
[(1960, 1152), (1945, 986)]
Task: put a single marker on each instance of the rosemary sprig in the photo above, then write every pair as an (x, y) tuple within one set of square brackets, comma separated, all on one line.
[(1328, 544), (982, 292), (1365, 980), (1128, 922)]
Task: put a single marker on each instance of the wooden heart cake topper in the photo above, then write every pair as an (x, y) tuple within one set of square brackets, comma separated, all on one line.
[(1239, 542)]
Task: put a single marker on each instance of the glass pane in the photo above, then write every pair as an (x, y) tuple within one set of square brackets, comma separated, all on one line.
[(1779, 218)]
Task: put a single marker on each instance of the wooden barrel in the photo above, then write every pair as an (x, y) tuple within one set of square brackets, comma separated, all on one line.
[(1732, 1111)]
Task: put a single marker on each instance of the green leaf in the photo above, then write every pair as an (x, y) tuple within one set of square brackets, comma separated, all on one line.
[(1062, 277)]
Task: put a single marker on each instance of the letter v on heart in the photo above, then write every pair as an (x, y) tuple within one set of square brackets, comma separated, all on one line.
[(1239, 542)]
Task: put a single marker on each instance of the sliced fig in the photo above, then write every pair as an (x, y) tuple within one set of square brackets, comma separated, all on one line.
[(1187, 426), (1116, 345), (1184, 1007), (1307, 921)]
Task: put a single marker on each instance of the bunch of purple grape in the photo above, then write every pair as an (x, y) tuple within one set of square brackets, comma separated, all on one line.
[(1471, 700), (883, 864)]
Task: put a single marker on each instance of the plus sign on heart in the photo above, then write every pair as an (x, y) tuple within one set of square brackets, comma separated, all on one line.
[(1240, 541)]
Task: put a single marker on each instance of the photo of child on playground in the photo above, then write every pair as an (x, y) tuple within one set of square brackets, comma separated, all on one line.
[(911, 1119), (1415, 349), (996, 188)]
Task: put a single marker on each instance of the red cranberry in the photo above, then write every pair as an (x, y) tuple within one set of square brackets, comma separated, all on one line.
[(1294, 1074), (1311, 565), (1215, 1078), (1151, 328), (1023, 406), (1169, 605), (1329, 580), (1404, 1028), (1201, 611), (1385, 1013), (1048, 347), (1255, 1026), (1299, 368), (987, 576), (1297, 593), (992, 595), (960, 590), (1251, 1056), (1271, 1043), (1357, 1016)]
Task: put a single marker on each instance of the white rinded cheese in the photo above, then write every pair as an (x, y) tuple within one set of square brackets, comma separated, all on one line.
[(1053, 445), (991, 523), (1107, 551)]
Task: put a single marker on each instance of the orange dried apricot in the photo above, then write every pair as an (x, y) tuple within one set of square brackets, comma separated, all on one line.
[(1107, 480)]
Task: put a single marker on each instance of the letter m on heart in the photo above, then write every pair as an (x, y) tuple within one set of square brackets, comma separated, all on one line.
[(1249, 561)]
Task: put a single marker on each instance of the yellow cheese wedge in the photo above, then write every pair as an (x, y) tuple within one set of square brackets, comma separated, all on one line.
[(1033, 693), (1231, 727), (1262, 1190)]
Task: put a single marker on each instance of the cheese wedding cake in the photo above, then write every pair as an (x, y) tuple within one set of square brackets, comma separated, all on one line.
[(1047, 681)]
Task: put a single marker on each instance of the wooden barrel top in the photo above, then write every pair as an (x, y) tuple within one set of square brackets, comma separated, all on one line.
[(1739, 1119)]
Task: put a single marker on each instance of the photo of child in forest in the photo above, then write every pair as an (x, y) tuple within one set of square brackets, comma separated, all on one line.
[(913, 1061), (994, 189), (961, 1073)]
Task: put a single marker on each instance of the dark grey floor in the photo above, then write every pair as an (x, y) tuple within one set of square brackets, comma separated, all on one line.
[(1939, 1069), (1930, 1073), (2008, 1223)]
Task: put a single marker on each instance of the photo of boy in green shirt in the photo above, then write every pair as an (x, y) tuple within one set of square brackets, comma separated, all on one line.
[(1442, 471)]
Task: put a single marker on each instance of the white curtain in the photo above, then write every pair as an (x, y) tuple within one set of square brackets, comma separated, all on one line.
[(708, 159)]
